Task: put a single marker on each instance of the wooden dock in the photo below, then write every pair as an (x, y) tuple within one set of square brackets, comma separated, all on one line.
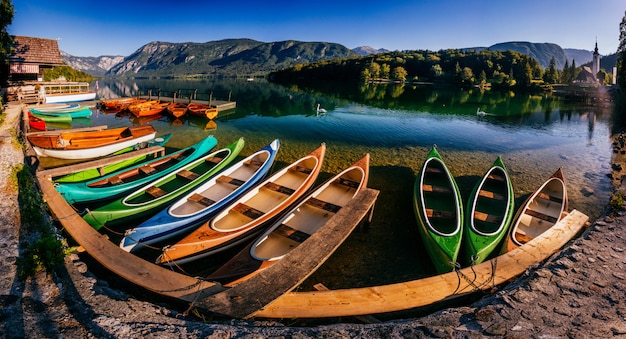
[(190, 96)]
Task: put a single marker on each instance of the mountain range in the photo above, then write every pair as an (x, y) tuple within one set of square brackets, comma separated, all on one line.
[(246, 57)]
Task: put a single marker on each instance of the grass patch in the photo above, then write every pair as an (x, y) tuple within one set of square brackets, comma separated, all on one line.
[(44, 250), (617, 201)]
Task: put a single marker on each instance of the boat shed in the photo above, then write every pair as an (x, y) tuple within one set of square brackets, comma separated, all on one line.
[(30, 56)]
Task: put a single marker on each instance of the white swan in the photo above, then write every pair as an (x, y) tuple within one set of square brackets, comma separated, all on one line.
[(320, 110), (479, 112)]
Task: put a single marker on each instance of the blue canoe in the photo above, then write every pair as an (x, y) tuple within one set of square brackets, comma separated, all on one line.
[(203, 202), (149, 199), (118, 183)]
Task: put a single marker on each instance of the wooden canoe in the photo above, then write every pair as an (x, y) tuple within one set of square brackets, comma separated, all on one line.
[(245, 217), (157, 194), (439, 212), (541, 211), (489, 213), (36, 123), (93, 173), (197, 206), (119, 103), (177, 109), (407, 294), (148, 108), (118, 183), (296, 226), (200, 110), (91, 144)]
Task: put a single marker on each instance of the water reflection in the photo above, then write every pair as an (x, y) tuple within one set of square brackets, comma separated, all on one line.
[(397, 125)]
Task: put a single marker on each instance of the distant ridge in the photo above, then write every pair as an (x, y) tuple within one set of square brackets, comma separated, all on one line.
[(367, 50), (232, 57)]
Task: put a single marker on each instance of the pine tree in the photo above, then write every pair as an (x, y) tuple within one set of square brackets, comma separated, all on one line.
[(6, 41), (621, 51)]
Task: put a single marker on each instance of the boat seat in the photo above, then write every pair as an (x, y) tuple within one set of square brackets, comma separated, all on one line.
[(549, 197), (145, 169), (253, 162), (496, 177), (201, 199), (291, 233), (435, 189), (215, 160), (541, 216), (279, 188), (434, 170), (248, 211), (189, 175), (155, 191), (301, 169), (326, 206), (490, 195), (431, 213), (90, 142), (490, 218), (115, 180), (522, 238), (228, 180), (348, 182)]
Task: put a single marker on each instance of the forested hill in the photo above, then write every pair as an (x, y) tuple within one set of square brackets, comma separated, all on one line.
[(465, 68), (224, 57), (543, 52)]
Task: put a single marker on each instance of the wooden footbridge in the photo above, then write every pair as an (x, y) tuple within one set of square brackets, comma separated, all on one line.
[(190, 96)]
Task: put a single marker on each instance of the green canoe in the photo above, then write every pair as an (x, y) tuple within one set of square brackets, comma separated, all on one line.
[(438, 209), (53, 118), (119, 183), (148, 199), (93, 173), (490, 209)]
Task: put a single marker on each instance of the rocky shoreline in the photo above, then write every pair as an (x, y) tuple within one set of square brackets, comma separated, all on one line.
[(578, 293)]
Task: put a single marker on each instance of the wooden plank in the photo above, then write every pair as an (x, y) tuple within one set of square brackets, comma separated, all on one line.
[(128, 266), (248, 211), (202, 200), (246, 298), (188, 175), (440, 214), (491, 195), (326, 206), (368, 319), (155, 192), (426, 291), (59, 171), (279, 188), (436, 189), (541, 216), (291, 233), (549, 197), (494, 219), (228, 180)]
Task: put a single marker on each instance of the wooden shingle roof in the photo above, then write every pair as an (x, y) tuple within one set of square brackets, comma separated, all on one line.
[(35, 51)]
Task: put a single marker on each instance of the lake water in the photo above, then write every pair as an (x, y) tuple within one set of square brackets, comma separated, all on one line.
[(398, 125)]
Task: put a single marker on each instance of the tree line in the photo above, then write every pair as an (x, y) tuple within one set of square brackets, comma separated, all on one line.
[(465, 68)]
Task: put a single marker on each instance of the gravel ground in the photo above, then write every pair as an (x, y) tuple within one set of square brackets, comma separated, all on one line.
[(578, 293)]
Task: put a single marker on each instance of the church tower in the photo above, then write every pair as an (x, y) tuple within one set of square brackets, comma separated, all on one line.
[(595, 64)]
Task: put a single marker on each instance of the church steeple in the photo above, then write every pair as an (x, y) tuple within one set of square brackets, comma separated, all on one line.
[(595, 64)]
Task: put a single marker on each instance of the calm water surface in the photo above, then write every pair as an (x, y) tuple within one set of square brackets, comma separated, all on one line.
[(398, 125)]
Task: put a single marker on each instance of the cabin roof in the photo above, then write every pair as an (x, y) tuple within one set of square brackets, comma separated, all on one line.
[(30, 50)]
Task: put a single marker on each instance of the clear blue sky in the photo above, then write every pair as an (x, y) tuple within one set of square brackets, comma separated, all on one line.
[(114, 27)]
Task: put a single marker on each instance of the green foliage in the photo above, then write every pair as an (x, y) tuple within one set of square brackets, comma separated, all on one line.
[(621, 51), (6, 41), (68, 73), (617, 201), (506, 68), (46, 251)]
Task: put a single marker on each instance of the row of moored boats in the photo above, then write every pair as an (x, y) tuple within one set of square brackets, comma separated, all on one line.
[(144, 107), (211, 201)]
